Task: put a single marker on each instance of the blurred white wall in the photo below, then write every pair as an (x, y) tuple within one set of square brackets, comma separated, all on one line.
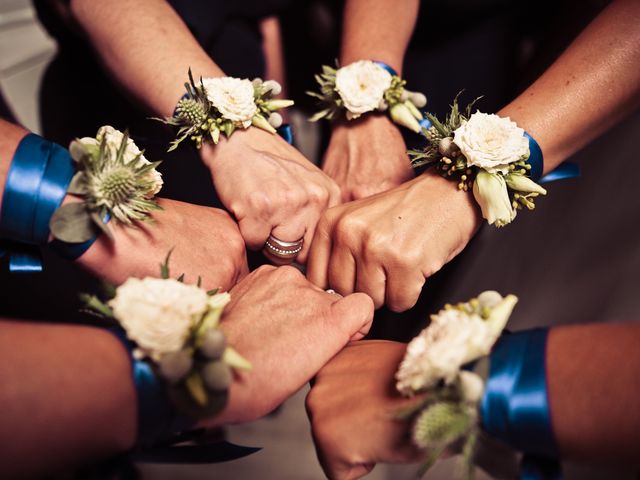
[(25, 51)]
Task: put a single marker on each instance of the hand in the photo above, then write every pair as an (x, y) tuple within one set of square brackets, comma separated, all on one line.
[(353, 422), (388, 245), (288, 329), (205, 242), (367, 156), (270, 188)]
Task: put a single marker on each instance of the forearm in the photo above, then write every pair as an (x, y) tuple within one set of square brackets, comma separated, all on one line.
[(377, 30), (67, 397), (10, 136), (592, 374), (146, 47), (593, 85)]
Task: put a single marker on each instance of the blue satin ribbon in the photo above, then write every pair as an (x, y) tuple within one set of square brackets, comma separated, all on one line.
[(386, 67), (515, 405), (157, 418), (536, 160), (36, 184), (286, 132), (160, 425)]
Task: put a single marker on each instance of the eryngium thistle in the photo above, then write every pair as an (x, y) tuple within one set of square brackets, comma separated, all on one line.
[(191, 111), (120, 181), (440, 423)]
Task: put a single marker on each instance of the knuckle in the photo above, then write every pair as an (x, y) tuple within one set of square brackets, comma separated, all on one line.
[(289, 274), (348, 230), (260, 202)]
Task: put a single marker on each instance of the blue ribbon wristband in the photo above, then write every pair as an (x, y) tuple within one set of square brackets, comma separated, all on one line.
[(157, 418), (36, 184), (515, 405), (386, 67)]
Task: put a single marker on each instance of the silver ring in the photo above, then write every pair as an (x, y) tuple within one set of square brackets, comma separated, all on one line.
[(282, 249)]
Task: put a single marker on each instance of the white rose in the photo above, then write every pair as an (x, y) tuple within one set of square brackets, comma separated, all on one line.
[(113, 139), (361, 86), (232, 97), (491, 142), (158, 314)]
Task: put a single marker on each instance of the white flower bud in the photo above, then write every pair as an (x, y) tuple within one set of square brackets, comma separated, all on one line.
[(403, 116), (520, 183), (418, 99), (490, 191), (472, 386), (275, 120), (272, 86)]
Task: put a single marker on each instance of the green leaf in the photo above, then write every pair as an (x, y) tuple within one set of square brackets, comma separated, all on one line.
[(77, 186), (196, 389), (164, 267), (180, 278), (123, 147), (235, 360), (199, 284), (72, 223), (211, 292), (97, 305)]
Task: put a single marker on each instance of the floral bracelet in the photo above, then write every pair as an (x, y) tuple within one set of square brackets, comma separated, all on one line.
[(223, 104), (114, 180), (446, 414), (174, 330), (484, 153), (367, 86)]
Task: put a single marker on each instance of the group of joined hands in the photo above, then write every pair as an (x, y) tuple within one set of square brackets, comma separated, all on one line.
[(372, 237)]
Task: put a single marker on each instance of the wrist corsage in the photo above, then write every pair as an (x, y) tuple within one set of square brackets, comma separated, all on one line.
[(367, 86), (223, 104), (174, 329), (484, 153), (446, 416), (115, 181)]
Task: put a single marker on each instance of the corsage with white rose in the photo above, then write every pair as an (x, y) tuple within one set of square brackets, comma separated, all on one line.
[(182, 364), (221, 105), (487, 154), (367, 86), (468, 377), (447, 414)]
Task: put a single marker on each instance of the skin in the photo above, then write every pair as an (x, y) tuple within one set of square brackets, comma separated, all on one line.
[(213, 239), (368, 155), (592, 382), (154, 72), (96, 414), (387, 245)]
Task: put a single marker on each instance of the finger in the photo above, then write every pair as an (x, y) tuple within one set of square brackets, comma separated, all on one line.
[(254, 231), (371, 279), (403, 290), (291, 231), (354, 313), (342, 271), (319, 254)]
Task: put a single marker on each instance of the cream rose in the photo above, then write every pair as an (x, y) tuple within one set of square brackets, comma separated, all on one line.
[(453, 339), (113, 139), (158, 314), (491, 142), (361, 86), (232, 97)]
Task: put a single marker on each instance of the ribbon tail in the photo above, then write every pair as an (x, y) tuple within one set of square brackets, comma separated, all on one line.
[(199, 454), (561, 172), (286, 132), (22, 259)]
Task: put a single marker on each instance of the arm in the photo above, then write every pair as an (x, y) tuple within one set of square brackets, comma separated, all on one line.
[(74, 383), (411, 231), (276, 188), (592, 383), (368, 155)]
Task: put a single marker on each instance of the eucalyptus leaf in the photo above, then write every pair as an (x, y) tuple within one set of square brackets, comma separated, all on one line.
[(72, 223), (77, 186), (164, 267)]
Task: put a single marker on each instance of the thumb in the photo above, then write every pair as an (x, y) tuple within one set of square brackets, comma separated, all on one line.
[(354, 313)]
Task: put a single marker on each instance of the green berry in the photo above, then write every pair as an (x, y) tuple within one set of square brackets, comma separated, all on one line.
[(216, 376), (213, 344), (175, 366)]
